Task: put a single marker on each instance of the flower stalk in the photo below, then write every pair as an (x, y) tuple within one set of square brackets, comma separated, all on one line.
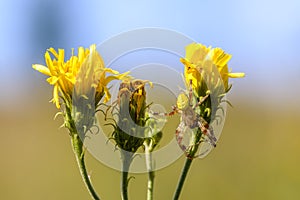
[(79, 154), (150, 144), (78, 150), (151, 174), (188, 162), (129, 128), (78, 86), (126, 158), (187, 165), (206, 74)]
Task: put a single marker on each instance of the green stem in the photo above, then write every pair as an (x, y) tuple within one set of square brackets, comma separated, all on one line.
[(184, 172), (151, 173), (79, 154), (126, 161), (187, 165), (124, 185)]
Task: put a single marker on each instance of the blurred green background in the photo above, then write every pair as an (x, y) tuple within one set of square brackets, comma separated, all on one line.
[(257, 156)]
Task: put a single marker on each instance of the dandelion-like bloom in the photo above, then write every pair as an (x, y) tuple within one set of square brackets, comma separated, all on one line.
[(134, 129), (199, 59), (63, 75), (80, 82), (206, 75), (130, 131)]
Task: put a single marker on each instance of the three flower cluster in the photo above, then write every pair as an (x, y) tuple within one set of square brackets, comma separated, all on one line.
[(81, 83)]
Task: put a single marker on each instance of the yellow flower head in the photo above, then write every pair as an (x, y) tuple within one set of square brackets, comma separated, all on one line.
[(130, 129), (200, 59), (64, 75), (133, 93)]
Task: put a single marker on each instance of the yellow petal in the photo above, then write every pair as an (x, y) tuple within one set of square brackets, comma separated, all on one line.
[(70, 77), (61, 55), (111, 71), (219, 57), (49, 63), (187, 63), (52, 50), (42, 69), (52, 80), (56, 96), (190, 50), (107, 95), (109, 79), (116, 77), (236, 75), (81, 56), (95, 57), (62, 67), (93, 48), (196, 53)]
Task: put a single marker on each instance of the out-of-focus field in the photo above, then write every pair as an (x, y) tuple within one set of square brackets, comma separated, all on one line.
[(257, 158)]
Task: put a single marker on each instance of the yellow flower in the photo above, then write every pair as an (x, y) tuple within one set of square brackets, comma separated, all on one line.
[(199, 59), (86, 69), (130, 129)]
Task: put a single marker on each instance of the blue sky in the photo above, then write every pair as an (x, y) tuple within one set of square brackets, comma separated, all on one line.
[(262, 36)]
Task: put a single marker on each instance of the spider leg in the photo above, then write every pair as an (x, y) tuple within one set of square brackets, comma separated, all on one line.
[(198, 143), (200, 101), (173, 112), (179, 136), (191, 92), (211, 131), (206, 130), (191, 96)]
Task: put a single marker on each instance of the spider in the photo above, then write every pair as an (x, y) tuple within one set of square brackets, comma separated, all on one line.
[(189, 118)]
